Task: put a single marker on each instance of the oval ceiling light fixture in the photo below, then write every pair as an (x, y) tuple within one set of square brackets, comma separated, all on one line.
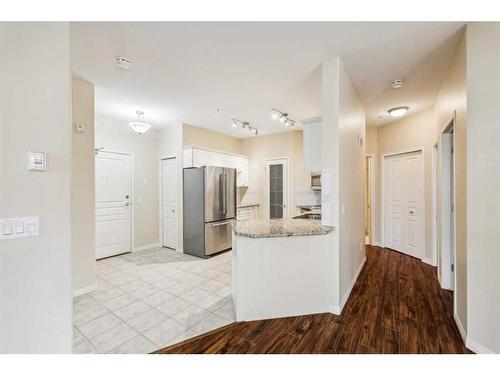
[(124, 63), (397, 83), (398, 111), (139, 126)]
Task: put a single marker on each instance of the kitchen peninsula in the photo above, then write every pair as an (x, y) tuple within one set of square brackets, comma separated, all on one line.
[(283, 267)]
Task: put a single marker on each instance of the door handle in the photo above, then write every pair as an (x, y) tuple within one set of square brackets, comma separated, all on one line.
[(219, 224), (127, 204)]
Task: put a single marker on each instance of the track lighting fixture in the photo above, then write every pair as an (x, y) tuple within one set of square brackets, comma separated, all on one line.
[(283, 117), (245, 125)]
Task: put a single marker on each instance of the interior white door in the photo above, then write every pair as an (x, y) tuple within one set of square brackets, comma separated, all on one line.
[(276, 172), (169, 203), (113, 183), (404, 204)]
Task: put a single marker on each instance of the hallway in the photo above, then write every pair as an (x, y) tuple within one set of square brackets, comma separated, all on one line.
[(396, 306)]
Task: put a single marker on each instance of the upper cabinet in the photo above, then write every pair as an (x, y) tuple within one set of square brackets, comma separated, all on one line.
[(194, 157), (312, 146)]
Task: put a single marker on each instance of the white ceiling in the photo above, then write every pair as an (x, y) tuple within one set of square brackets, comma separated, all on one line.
[(205, 74)]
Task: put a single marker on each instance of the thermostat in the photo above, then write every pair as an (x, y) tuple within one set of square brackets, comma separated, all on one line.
[(38, 161)]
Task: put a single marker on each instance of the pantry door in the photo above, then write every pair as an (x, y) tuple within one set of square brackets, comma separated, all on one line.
[(169, 202), (113, 194), (404, 206)]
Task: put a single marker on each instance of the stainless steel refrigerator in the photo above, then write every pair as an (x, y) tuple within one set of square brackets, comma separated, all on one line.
[(209, 208)]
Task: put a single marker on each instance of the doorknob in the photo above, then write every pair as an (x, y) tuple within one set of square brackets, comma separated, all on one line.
[(126, 196), (173, 210), (127, 204)]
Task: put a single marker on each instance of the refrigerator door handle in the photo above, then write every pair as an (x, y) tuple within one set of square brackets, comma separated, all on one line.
[(221, 193), (225, 193)]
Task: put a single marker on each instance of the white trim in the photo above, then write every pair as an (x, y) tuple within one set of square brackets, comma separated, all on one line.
[(373, 194), (335, 310), (351, 285), (88, 289), (460, 327), (428, 261), (477, 348), (434, 194), (378, 244), (382, 190), (146, 247), (132, 192), (266, 185)]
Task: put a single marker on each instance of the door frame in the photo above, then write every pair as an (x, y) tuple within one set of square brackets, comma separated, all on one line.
[(373, 193), (435, 194), (266, 185), (160, 200), (383, 192), (132, 191), (444, 210)]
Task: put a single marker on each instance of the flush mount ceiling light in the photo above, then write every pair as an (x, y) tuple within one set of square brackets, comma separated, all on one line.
[(244, 125), (139, 126), (398, 111), (397, 83), (123, 62), (283, 117)]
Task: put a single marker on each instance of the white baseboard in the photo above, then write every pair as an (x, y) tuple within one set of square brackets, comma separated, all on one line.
[(335, 310), (477, 348), (460, 327), (428, 261), (349, 289), (378, 244), (85, 290), (146, 247)]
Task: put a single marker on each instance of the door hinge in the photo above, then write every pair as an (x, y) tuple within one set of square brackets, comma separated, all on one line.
[(452, 268)]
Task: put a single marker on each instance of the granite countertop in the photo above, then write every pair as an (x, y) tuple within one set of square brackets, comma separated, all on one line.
[(279, 228)]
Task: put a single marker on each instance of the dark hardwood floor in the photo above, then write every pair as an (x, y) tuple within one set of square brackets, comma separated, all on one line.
[(396, 306)]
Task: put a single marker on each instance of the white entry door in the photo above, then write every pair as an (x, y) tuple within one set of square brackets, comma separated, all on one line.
[(276, 188), (169, 202), (113, 183), (404, 206)]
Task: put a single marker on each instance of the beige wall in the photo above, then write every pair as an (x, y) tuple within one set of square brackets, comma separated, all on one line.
[(417, 130), (200, 137), (483, 185), (278, 145), (117, 136), (343, 124), (83, 188), (35, 114), (371, 141), (452, 98)]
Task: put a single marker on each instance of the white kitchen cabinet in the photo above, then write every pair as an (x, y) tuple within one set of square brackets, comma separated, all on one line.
[(312, 146), (241, 165), (194, 157), (221, 160), (248, 213)]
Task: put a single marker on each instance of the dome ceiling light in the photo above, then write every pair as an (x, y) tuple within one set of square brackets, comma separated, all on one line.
[(124, 63), (397, 83), (282, 117), (398, 111), (139, 126)]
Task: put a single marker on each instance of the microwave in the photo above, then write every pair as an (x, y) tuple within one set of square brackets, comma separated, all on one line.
[(316, 181)]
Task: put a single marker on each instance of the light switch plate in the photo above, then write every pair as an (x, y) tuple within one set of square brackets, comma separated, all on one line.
[(38, 161), (19, 227)]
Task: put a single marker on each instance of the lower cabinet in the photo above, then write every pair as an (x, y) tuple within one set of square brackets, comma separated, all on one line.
[(248, 213)]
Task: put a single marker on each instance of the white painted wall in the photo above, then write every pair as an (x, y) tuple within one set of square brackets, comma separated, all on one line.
[(342, 127), (483, 186), (83, 188), (115, 135), (452, 99), (35, 110)]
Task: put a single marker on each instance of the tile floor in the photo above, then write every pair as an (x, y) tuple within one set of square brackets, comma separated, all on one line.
[(150, 299)]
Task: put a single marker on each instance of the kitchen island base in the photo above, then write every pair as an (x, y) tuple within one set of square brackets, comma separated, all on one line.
[(283, 276)]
